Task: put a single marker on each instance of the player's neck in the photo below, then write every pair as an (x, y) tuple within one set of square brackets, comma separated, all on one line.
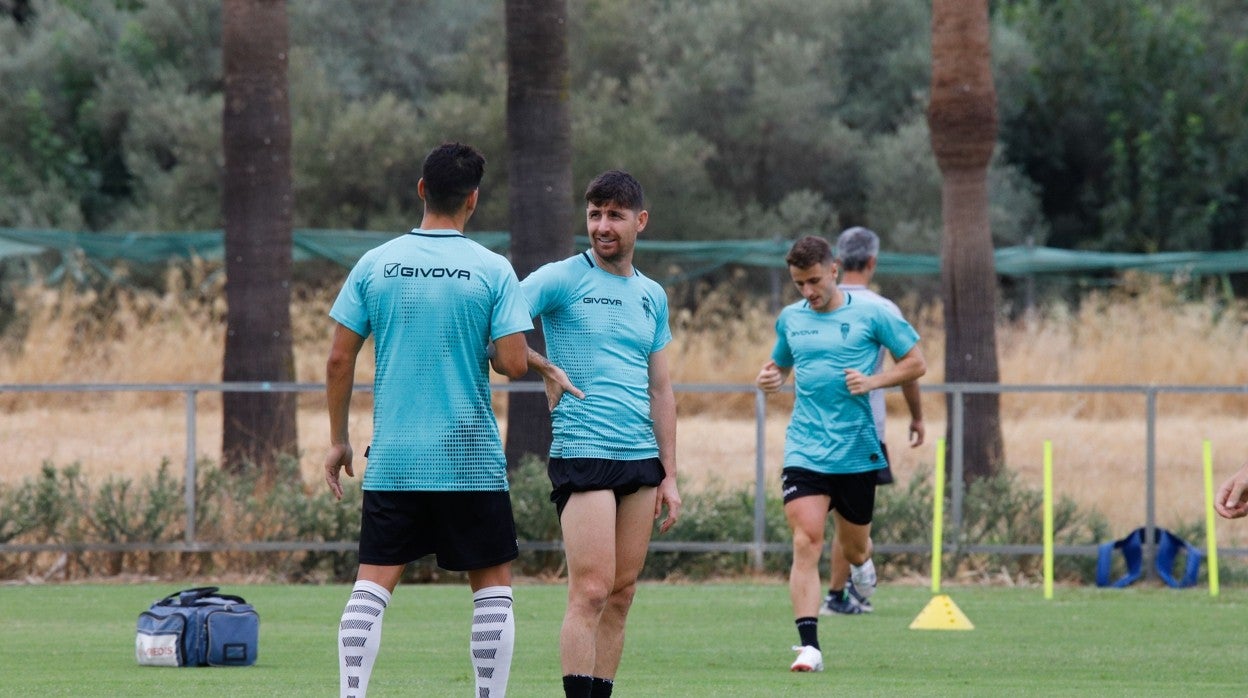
[(619, 267), (436, 221), (855, 278)]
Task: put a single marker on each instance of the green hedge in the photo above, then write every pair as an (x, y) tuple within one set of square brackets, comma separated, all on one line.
[(59, 505)]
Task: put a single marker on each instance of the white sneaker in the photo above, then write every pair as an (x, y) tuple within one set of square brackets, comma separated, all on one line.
[(864, 579), (808, 659)]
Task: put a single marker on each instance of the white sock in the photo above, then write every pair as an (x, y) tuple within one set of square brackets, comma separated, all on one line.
[(493, 638), (359, 637)]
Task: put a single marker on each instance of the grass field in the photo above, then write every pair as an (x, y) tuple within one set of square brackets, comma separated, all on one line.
[(715, 639)]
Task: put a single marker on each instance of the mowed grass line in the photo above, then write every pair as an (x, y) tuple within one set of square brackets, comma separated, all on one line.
[(687, 640)]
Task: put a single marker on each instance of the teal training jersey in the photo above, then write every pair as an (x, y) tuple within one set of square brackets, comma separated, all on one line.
[(433, 299), (832, 431), (601, 329)]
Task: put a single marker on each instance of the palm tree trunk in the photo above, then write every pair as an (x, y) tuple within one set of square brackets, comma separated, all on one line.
[(962, 118), (256, 202), (539, 174)]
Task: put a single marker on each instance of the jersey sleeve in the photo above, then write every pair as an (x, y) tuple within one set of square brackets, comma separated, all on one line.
[(349, 308), (663, 330), (511, 311), (782, 353), (544, 289), (895, 333)]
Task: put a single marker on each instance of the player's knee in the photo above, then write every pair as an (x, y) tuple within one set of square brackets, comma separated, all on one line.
[(590, 594), (857, 553), (622, 596), (806, 541)]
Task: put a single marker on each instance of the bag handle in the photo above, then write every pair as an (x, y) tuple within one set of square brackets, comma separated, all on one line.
[(195, 596), (186, 597)]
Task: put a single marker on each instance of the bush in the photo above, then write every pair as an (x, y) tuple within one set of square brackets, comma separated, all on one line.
[(60, 506)]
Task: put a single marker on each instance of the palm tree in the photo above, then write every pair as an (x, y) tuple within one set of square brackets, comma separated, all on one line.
[(962, 118), (256, 203), (539, 174)]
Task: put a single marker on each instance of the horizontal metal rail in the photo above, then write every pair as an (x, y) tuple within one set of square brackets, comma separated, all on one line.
[(757, 547)]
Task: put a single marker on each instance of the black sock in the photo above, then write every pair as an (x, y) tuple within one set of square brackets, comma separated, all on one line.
[(837, 594), (578, 686), (602, 688), (808, 631)]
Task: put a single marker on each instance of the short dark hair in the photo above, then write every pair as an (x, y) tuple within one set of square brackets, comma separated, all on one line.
[(856, 246), (452, 171), (616, 187), (809, 251)]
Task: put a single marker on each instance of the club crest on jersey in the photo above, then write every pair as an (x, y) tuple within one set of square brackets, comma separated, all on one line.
[(395, 269), (601, 301), (844, 330), (645, 306)]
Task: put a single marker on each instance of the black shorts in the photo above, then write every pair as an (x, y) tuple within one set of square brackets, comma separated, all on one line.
[(466, 530), (624, 477), (884, 476), (852, 494)]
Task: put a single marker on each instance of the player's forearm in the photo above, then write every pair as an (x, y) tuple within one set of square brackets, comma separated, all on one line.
[(914, 400), (339, 383), (663, 415), (907, 369), (539, 363)]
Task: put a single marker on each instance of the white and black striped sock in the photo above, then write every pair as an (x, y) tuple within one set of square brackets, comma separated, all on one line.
[(359, 637), (493, 638)]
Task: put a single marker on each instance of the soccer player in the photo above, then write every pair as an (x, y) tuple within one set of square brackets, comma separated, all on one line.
[(612, 460), (857, 253), (441, 309), (830, 341)]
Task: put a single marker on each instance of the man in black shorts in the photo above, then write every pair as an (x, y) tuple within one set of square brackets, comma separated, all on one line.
[(441, 308), (830, 342), (613, 453)]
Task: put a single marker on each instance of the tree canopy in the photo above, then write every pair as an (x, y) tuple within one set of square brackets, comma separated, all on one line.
[(1124, 123)]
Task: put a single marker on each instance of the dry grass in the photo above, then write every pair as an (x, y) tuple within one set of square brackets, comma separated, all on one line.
[(1142, 334)]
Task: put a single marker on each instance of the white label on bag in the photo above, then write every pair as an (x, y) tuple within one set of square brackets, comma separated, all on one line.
[(156, 650)]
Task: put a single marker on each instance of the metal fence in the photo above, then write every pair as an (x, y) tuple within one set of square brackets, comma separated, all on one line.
[(756, 548)]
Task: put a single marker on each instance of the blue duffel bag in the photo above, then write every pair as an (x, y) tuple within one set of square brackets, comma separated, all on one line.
[(198, 627)]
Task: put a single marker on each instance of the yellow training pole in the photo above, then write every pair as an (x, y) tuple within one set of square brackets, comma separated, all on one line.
[(1211, 532), (938, 514), (1048, 519)]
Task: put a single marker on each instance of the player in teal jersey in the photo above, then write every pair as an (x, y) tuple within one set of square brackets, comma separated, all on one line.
[(831, 451), (436, 481), (613, 455)]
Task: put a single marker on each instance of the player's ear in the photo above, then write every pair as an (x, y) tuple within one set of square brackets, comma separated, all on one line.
[(643, 217)]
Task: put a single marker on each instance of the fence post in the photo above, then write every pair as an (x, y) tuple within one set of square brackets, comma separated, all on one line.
[(1150, 479), (760, 488), (190, 467), (955, 476)]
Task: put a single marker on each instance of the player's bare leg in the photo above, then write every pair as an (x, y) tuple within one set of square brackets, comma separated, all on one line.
[(589, 523), (634, 521)]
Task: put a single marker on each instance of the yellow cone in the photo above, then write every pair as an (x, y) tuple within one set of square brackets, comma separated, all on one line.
[(942, 613)]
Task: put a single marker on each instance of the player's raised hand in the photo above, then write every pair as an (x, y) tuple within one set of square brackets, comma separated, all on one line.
[(770, 377), (857, 382)]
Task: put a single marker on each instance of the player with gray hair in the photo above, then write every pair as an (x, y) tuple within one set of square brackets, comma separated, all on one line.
[(857, 250)]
